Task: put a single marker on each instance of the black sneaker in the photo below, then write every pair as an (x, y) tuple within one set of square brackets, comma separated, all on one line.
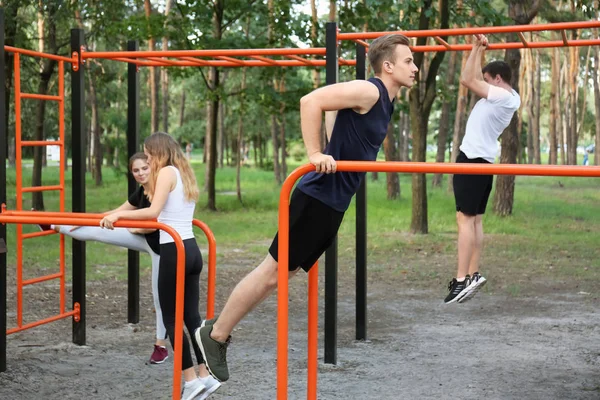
[(457, 289), (477, 282)]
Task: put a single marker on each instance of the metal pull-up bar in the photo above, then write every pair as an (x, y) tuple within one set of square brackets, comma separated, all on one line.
[(437, 35)]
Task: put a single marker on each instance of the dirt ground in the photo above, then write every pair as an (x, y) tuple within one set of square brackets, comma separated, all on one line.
[(543, 343)]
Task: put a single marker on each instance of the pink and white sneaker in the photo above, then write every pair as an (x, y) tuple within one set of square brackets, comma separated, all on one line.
[(159, 355)]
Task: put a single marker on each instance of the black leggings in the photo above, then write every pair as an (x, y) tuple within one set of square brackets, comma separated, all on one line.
[(167, 278)]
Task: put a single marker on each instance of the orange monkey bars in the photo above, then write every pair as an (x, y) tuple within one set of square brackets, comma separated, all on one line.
[(83, 219), (437, 35), (219, 58), (367, 166)]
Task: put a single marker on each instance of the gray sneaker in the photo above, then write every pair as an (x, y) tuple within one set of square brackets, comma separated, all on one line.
[(214, 352)]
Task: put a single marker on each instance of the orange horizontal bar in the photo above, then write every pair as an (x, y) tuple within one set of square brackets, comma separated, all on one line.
[(40, 97), (37, 54), (443, 42), (365, 44), (40, 188), (37, 234), (471, 169), (195, 60), (42, 321), (475, 30), (167, 61), (41, 279), (204, 53), (265, 59), (50, 214), (342, 61), (6, 218), (511, 45), (41, 143), (233, 60), (564, 38), (303, 60), (223, 63), (522, 38)]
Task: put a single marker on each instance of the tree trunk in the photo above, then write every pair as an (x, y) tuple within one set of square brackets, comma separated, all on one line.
[(221, 128), (421, 101), (282, 139), (529, 100), (584, 90), (211, 126), (522, 12), (562, 119), (460, 119), (407, 136), (164, 73), (206, 142), (554, 109), (332, 11), (182, 108), (95, 133), (445, 118), (392, 178), (240, 134), (211, 140), (153, 76), (537, 159), (11, 26), (505, 184), (572, 134), (46, 72)]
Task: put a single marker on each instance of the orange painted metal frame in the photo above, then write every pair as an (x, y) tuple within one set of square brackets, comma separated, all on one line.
[(19, 143), (82, 219), (366, 166), (225, 58), (559, 26)]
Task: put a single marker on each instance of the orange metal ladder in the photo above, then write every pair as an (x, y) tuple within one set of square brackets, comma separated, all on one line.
[(60, 98)]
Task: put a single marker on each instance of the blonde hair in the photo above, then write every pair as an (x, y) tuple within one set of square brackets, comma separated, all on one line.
[(164, 151), (384, 49)]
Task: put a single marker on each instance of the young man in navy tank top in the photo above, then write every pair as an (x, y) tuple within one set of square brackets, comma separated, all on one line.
[(317, 206)]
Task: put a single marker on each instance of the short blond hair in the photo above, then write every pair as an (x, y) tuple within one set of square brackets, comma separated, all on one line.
[(384, 49)]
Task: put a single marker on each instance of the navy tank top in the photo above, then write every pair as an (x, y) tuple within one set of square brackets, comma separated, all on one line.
[(355, 137)]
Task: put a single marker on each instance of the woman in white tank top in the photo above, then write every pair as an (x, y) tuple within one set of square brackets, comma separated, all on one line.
[(173, 192)]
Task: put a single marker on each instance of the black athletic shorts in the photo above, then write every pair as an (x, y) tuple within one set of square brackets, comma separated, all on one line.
[(313, 226), (471, 192)]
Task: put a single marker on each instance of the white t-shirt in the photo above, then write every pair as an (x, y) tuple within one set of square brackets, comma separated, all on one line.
[(487, 121), (177, 213)]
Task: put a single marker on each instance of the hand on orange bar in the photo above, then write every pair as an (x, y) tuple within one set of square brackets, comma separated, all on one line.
[(323, 163), (108, 221), (480, 40)]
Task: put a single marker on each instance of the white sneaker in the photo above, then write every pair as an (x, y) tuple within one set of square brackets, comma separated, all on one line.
[(211, 386), (192, 389), (477, 282)]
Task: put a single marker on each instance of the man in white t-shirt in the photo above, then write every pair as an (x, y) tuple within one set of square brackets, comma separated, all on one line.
[(490, 116)]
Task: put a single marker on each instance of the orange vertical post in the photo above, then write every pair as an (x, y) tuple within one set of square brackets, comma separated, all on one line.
[(19, 187), (61, 166), (313, 330)]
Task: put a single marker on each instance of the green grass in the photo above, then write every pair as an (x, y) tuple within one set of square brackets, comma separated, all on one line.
[(552, 233)]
